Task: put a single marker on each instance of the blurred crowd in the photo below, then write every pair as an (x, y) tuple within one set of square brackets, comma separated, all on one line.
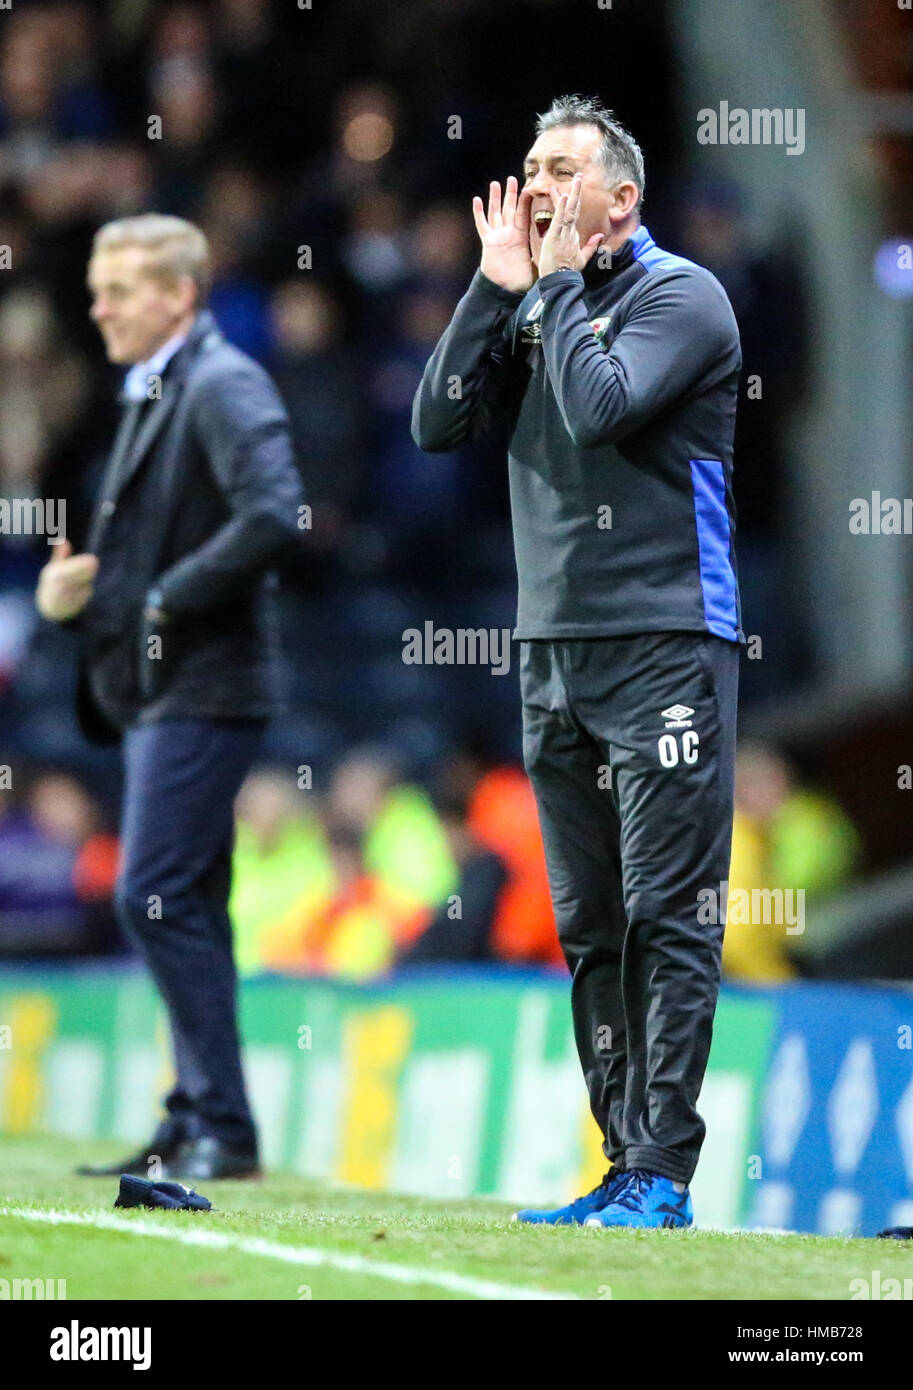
[(58, 863), (376, 872), (380, 873), (318, 151), (352, 882)]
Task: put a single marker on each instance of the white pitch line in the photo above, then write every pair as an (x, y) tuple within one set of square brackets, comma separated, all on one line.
[(291, 1254)]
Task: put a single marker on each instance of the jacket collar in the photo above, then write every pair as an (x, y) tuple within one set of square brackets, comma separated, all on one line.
[(134, 444), (178, 361), (630, 251), (204, 332)]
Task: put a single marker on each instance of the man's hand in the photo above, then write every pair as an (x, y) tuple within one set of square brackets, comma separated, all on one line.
[(561, 249), (504, 235), (65, 584)]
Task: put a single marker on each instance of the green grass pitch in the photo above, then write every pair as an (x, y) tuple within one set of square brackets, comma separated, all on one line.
[(290, 1238)]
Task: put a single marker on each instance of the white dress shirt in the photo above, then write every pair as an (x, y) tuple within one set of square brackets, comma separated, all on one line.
[(136, 382)]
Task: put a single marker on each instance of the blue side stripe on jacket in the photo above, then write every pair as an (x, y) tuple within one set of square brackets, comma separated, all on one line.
[(713, 541)]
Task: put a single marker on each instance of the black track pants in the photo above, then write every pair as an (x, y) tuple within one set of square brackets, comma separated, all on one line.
[(630, 745)]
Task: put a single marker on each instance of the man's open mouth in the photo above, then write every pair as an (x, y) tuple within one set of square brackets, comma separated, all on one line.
[(543, 220)]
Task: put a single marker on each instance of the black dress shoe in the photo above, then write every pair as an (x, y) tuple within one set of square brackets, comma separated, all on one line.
[(207, 1159), (161, 1148)]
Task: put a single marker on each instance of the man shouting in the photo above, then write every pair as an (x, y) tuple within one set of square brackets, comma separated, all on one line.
[(614, 366)]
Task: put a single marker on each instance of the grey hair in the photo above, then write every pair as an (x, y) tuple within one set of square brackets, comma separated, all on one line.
[(619, 153), (173, 247)]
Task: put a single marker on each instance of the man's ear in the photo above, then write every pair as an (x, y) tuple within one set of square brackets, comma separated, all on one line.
[(625, 197), (189, 295)]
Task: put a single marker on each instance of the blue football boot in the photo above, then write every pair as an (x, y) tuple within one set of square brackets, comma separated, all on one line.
[(576, 1212), (645, 1200)]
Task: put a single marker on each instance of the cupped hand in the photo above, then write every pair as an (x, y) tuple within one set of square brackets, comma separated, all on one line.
[(504, 234), (561, 249)]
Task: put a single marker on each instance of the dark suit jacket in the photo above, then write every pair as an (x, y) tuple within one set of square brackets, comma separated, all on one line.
[(200, 498)]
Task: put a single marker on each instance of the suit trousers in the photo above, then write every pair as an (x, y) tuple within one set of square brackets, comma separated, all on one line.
[(177, 835)]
